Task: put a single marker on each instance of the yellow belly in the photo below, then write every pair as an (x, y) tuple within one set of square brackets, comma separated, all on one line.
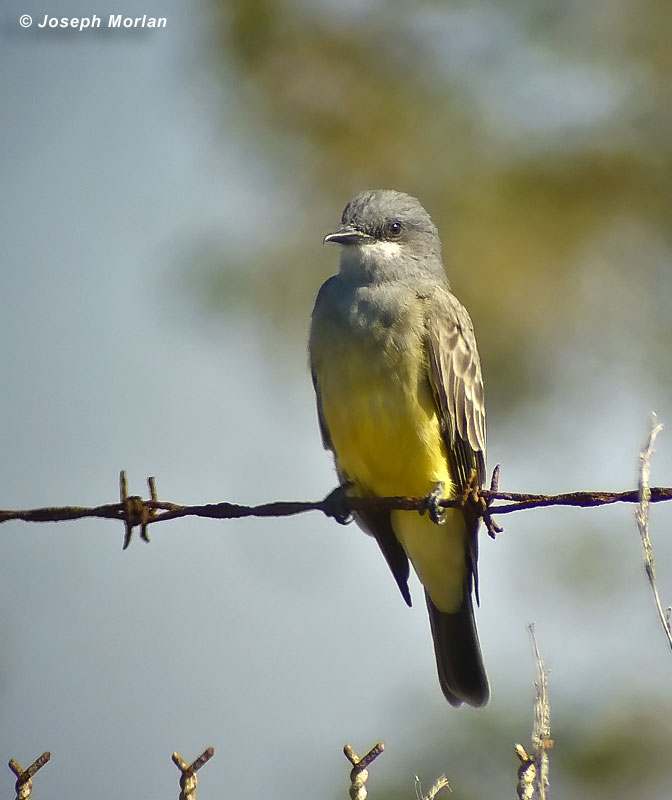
[(387, 440), (385, 430)]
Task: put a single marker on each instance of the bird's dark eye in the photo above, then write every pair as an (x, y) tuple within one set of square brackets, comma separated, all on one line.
[(395, 228)]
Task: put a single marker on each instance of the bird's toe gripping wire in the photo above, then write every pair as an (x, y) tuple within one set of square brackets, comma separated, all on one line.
[(432, 505), (334, 505), (484, 501)]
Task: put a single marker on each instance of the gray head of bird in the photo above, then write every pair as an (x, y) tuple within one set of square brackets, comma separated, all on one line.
[(387, 235)]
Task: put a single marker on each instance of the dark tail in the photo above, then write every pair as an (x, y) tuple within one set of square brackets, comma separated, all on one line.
[(458, 654)]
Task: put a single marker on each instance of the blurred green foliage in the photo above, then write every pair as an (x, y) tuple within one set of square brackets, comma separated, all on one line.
[(537, 134)]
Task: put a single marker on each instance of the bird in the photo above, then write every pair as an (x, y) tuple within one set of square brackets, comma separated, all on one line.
[(400, 404)]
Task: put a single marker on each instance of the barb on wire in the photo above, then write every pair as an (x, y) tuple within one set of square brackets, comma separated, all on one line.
[(642, 518), (188, 777), (24, 777), (533, 771), (134, 512), (359, 773)]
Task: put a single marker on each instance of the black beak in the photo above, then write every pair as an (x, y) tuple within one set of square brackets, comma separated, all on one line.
[(347, 234)]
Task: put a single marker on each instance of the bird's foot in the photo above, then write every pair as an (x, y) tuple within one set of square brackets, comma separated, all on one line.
[(432, 505), (334, 505), (480, 500), (492, 527)]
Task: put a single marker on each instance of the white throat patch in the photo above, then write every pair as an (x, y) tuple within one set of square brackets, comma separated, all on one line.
[(370, 257), (384, 250)]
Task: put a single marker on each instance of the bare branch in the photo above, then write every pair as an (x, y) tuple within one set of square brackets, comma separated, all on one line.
[(534, 767), (527, 774), (437, 786), (642, 518), (541, 730)]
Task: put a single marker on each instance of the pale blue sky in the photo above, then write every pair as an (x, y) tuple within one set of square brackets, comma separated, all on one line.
[(278, 640)]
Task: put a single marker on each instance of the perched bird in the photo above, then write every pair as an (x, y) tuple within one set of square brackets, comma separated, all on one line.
[(400, 403)]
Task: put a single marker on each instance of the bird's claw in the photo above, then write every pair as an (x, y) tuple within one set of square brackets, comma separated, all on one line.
[(432, 505), (334, 505)]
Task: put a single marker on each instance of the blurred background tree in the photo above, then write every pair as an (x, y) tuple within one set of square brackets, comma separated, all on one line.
[(538, 136), (166, 195)]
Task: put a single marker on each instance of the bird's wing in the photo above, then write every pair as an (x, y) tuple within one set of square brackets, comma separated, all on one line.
[(324, 431), (455, 376)]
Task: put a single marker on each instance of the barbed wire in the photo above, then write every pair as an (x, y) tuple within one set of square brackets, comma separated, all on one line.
[(359, 774), (188, 776), (24, 777), (134, 512)]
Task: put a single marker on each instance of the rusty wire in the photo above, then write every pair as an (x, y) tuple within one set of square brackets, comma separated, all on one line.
[(188, 776), (134, 512), (359, 773), (24, 777)]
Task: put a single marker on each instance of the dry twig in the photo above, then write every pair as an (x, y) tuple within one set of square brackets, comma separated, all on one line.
[(527, 774), (642, 518), (533, 769), (437, 786)]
